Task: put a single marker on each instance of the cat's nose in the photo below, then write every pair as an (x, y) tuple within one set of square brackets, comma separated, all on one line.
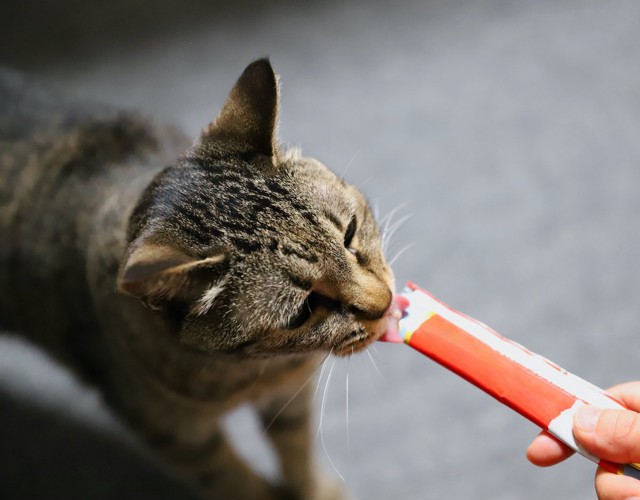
[(364, 295), (368, 314), (370, 303)]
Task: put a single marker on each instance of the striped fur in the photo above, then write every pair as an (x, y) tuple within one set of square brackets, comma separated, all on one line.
[(182, 281)]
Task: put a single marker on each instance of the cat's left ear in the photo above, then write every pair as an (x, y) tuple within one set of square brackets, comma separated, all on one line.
[(248, 120), (159, 273)]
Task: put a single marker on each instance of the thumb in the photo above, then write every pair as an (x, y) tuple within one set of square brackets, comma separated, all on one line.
[(613, 435)]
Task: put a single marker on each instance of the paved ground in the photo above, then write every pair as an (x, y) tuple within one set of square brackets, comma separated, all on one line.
[(509, 130)]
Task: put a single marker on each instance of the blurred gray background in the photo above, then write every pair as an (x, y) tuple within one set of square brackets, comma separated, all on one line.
[(509, 130)]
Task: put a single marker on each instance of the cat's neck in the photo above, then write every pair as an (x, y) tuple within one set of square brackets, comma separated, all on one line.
[(156, 359)]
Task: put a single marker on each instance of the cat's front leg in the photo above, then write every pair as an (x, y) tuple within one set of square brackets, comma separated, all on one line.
[(287, 423), (210, 465)]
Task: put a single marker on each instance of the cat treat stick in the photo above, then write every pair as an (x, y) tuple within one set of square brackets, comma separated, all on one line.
[(524, 381)]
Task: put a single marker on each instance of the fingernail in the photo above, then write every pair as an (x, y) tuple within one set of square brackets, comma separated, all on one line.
[(587, 418)]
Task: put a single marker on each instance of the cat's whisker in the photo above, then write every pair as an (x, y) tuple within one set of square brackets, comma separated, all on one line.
[(324, 399), (324, 365), (393, 248), (386, 224), (386, 218), (295, 395), (347, 407), (261, 372), (365, 181), (344, 172), (320, 430), (374, 364), (324, 447), (398, 223), (392, 230), (400, 252)]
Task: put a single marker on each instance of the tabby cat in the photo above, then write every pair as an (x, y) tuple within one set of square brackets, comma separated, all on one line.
[(181, 291)]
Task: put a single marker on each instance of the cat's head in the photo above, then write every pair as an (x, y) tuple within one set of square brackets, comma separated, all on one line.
[(249, 248)]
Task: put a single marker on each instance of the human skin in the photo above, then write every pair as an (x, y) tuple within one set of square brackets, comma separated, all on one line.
[(612, 435)]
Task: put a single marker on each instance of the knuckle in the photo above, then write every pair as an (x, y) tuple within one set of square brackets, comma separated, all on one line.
[(621, 433), (623, 426)]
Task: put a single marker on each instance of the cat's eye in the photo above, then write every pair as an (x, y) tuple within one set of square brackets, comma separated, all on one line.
[(349, 234), (311, 304), (301, 317)]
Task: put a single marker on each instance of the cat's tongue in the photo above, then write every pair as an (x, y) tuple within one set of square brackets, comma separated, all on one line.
[(393, 316)]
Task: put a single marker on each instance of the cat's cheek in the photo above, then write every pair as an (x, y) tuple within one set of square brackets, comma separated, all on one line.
[(212, 334)]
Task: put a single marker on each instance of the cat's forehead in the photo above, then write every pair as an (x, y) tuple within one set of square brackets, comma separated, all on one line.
[(326, 190)]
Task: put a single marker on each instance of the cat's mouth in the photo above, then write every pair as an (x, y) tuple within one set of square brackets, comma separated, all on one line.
[(383, 328)]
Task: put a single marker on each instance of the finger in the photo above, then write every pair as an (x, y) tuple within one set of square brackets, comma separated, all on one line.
[(616, 487), (610, 434), (628, 393), (545, 450)]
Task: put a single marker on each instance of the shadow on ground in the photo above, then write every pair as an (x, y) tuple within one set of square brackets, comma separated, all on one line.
[(105, 464)]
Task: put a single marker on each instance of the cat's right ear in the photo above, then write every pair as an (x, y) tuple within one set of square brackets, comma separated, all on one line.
[(248, 120), (159, 273)]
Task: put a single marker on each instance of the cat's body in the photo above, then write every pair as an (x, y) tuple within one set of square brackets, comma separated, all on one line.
[(232, 248)]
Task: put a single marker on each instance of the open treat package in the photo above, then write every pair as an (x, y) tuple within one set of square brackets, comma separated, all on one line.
[(526, 382)]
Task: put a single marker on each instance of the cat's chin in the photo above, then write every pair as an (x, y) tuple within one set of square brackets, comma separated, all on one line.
[(355, 346), (374, 330), (385, 329)]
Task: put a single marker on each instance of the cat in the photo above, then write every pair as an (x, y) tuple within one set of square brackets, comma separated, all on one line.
[(182, 280)]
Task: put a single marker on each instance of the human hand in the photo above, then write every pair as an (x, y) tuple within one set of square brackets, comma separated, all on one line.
[(612, 435)]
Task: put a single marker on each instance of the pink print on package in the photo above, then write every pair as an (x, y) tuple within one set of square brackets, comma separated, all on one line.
[(520, 379)]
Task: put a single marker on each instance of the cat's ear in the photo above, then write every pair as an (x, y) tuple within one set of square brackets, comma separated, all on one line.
[(159, 273), (248, 120)]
